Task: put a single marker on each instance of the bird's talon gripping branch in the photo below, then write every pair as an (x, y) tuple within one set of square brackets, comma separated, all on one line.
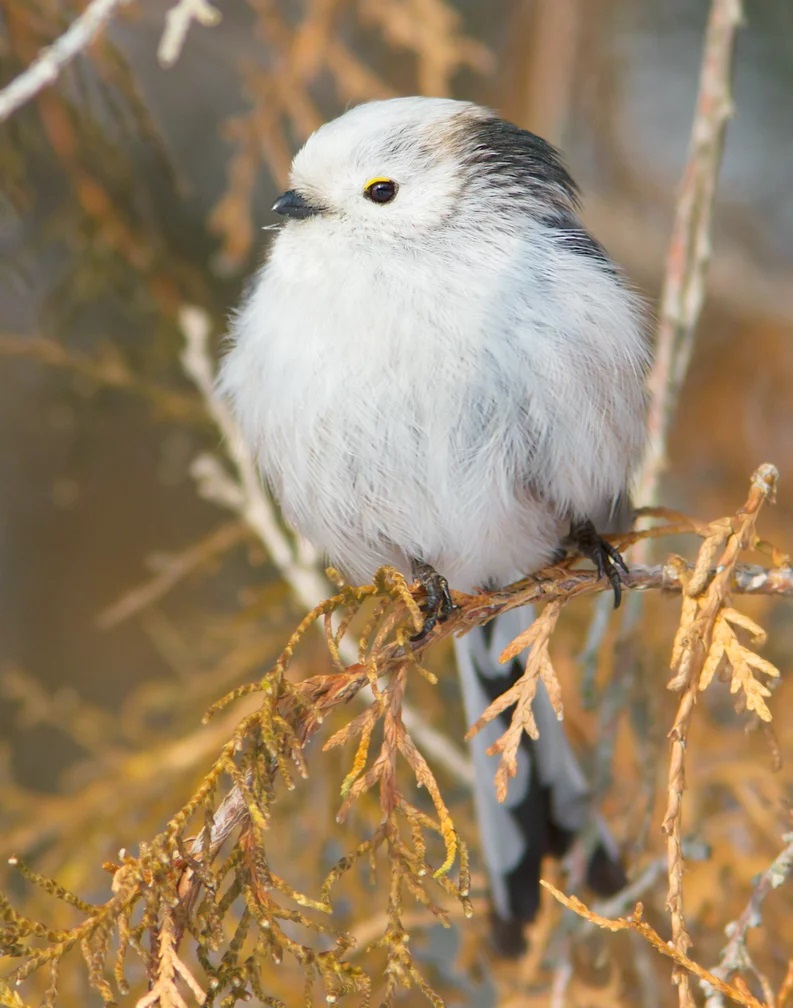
[(439, 604), (606, 558)]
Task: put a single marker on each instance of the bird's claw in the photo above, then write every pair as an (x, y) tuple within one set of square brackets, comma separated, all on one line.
[(606, 558), (438, 605)]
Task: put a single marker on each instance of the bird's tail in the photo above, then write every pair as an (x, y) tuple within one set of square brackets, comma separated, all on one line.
[(548, 800)]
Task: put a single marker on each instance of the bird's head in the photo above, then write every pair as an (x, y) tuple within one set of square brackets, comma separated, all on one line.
[(401, 168)]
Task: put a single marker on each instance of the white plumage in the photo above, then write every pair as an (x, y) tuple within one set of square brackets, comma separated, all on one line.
[(453, 376), (433, 378)]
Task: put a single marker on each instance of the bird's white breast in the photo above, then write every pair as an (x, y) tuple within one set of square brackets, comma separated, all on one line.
[(433, 402)]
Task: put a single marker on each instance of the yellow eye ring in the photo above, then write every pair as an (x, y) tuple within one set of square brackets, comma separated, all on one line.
[(380, 190)]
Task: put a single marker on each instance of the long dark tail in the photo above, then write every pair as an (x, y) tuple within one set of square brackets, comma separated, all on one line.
[(548, 800)]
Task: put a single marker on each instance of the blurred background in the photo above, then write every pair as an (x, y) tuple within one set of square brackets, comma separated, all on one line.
[(128, 190)]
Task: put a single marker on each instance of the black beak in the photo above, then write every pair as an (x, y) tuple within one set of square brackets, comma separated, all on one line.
[(293, 204)]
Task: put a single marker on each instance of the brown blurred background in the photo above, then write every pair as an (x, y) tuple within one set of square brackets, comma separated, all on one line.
[(129, 189)]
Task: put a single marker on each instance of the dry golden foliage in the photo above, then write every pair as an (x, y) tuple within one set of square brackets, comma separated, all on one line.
[(183, 889), (704, 643), (206, 880), (737, 992), (538, 668)]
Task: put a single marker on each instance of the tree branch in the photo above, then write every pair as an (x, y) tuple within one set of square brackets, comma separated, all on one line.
[(49, 63), (690, 247)]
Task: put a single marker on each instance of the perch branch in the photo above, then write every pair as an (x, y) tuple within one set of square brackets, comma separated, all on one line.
[(474, 610)]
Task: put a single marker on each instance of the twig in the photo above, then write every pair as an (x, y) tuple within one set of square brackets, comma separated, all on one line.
[(632, 892), (177, 24), (696, 655), (176, 568), (244, 493), (170, 969), (689, 251), (246, 497), (735, 956), (521, 694), (738, 283), (618, 904), (636, 924), (49, 63), (107, 369)]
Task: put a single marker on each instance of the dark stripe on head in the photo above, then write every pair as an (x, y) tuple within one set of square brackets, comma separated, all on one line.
[(578, 240), (514, 161), (521, 171)]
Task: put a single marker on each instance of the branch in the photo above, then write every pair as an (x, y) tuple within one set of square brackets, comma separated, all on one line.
[(177, 24), (689, 251), (561, 583), (158, 893), (636, 923), (173, 570), (106, 369), (47, 66), (735, 956), (706, 640)]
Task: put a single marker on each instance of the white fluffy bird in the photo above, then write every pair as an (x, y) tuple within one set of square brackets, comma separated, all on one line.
[(439, 369)]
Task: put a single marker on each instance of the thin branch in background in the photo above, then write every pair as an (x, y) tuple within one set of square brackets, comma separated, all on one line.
[(705, 641), (107, 369), (246, 496), (683, 292), (637, 924), (613, 907), (735, 956), (47, 66), (690, 247), (681, 302), (177, 24), (243, 493), (539, 91), (174, 570), (744, 287)]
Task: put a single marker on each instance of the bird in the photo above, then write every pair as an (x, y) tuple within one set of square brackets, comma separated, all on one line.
[(439, 369)]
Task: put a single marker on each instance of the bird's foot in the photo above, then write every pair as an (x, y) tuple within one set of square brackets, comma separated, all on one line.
[(438, 605), (604, 556)]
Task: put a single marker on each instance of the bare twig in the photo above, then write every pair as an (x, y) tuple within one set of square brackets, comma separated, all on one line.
[(177, 24), (697, 654), (175, 569), (106, 369), (616, 905), (735, 955), (740, 284), (689, 251), (636, 924), (47, 66)]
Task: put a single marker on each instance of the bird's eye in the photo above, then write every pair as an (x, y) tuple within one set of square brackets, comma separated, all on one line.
[(380, 190)]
